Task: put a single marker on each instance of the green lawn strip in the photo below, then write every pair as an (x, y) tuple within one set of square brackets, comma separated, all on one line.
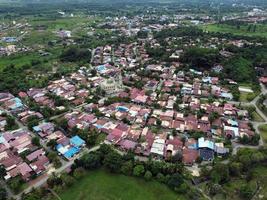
[(256, 117), (98, 185), (263, 131)]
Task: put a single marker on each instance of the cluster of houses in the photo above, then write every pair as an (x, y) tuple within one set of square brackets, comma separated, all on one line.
[(20, 157), (67, 147)]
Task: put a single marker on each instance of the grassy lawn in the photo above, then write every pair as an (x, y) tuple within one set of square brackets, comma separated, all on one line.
[(243, 96), (261, 30), (101, 185), (263, 130)]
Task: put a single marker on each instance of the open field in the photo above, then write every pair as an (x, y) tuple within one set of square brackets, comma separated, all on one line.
[(261, 30), (21, 59), (100, 185)]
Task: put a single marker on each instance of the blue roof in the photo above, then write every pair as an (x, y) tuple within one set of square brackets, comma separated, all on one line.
[(99, 126), (36, 128), (18, 103), (202, 143), (226, 95), (122, 109), (2, 139), (9, 39), (59, 146), (77, 141), (232, 122), (101, 68), (71, 152)]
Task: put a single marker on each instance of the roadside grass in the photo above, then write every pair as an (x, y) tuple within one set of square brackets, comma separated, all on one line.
[(256, 117), (100, 185), (261, 30), (263, 132)]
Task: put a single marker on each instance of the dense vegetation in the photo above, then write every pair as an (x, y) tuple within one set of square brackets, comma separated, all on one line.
[(106, 157)]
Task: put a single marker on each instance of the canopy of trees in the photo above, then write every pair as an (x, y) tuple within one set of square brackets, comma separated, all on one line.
[(240, 69), (203, 58), (74, 54)]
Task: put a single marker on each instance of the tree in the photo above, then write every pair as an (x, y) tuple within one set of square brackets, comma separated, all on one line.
[(129, 156), (158, 122), (67, 180), (52, 156), (63, 124), (32, 121), (139, 170), (2, 171), (79, 173), (161, 177), (52, 143), (177, 157), (203, 58), (91, 160), (220, 173), (156, 167), (246, 191), (54, 180), (148, 175), (75, 55), (15, 184), (36, 141), (10, 123), (3, 194), (240, 69), (175, 181), (127, 168), (213, 116), (113, 161), (235, 168), (214, 189), (104, 149)]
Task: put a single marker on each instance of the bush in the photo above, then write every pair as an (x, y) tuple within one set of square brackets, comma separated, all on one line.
[(148, 175), (127, 168), (113, 161), (139, 170)]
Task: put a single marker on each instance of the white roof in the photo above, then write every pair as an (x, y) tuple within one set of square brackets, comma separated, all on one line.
[(158, 147)]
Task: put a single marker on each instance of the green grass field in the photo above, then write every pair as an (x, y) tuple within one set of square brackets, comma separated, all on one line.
[(261, 30), (101, 185)]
